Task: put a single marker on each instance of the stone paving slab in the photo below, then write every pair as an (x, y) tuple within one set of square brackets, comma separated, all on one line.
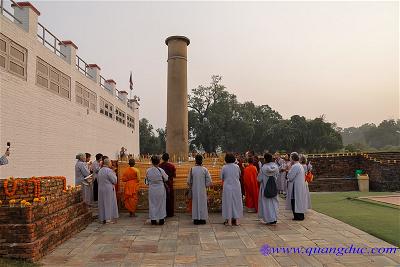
[(133, 242)]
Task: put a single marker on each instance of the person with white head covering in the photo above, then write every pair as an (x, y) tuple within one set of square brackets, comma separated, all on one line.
[(82, 171), (107, 201), (268, 207), (295, 199), (307, 168)]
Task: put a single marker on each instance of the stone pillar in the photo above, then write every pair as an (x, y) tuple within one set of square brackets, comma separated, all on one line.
[(94, 72), (28, 15), (68, 48), (110, 86), (177, 98)]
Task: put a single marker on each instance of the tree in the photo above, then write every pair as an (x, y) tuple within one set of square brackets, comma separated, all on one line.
[(216, 119), (149, 143)]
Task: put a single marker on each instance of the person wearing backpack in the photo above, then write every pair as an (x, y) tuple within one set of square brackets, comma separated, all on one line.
[(268, 204)]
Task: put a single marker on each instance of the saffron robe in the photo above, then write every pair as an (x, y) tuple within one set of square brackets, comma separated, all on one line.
[(170, 170), (131, 178), (251, 186), (307, 190), (296, 188), (232, 203), (267, 207), (198, 181), (108, 208), (155, 178)]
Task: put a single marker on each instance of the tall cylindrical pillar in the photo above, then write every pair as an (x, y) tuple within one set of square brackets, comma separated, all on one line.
[(177, 98)]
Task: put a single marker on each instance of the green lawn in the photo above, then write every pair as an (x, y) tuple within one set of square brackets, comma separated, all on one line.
[(16, 263), (380, 220)]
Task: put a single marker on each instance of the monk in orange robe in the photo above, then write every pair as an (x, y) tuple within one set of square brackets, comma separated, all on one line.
[(131, 178), (251, 186)]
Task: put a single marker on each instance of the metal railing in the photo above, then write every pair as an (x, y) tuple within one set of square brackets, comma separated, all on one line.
[(103, 83), (49, 40), (7, 13), (82, 66)]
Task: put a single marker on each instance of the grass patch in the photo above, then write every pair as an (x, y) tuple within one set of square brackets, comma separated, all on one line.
[(380, 220), (16, 263)]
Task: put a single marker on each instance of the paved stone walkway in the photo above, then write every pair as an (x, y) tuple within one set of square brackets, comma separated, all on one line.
[(392, 199), (133, 242)]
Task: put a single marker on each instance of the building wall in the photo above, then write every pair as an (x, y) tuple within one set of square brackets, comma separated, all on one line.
[(46, 131)]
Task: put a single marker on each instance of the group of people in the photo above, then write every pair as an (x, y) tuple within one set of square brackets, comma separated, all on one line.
[(288, 174), (100, 186), (259, 181)]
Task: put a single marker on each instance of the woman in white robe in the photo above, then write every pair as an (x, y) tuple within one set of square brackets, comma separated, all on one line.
[(281, 180), (199, 179), (155, 178), (81, 171), (232, 203), (268, 207), (107, 199), (295, 199)]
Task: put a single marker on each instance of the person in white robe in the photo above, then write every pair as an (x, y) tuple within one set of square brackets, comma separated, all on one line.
[(268, 207), (295, 199), (281, 181), (307, 168), (232, 203), (107, 201), (82, 171), (199, 179), (155, 178)]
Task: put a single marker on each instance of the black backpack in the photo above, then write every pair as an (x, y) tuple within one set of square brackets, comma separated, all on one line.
[(270, 189)]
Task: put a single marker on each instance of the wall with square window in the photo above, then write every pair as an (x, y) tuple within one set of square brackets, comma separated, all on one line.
[(41, 113), (120, 116), (52, 79), (13, 57), (85, 97)]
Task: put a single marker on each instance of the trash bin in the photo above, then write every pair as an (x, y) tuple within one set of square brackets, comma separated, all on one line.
[(363, 182), (359, 172)]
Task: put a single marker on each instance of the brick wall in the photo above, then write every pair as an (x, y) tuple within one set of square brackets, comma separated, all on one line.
[(49, 187), (46, 131), (383, 176), (29, 233)]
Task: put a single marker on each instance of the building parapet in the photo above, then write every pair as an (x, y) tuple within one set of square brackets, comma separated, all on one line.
[(25, 15)]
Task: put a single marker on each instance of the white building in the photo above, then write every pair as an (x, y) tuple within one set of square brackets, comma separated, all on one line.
[(53, 105)]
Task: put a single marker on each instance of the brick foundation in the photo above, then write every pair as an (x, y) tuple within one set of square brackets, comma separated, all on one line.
[(29, 233)]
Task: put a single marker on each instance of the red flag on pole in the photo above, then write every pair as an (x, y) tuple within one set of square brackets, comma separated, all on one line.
[(131, 82)]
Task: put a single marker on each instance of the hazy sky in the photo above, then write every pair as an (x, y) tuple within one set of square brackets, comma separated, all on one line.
[(340, 59)]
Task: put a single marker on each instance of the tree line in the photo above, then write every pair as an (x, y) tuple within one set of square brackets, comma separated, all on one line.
[(218, 121)]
